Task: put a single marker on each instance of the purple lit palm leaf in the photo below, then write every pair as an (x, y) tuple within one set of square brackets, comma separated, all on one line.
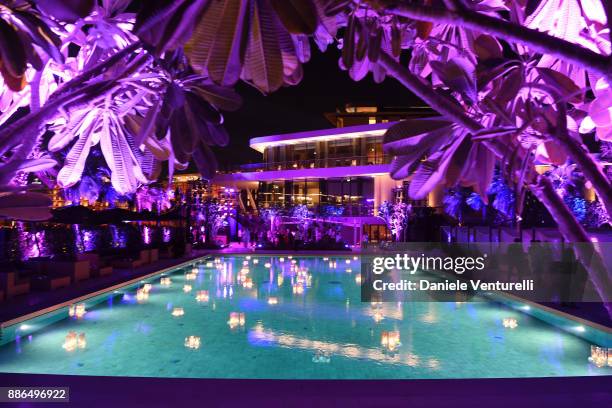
[(570, 20), (437, 152), (259, 41), (186, 120), (24, 33)]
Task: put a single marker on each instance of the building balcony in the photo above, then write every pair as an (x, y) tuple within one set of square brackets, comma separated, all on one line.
[(317, 168), (314, 163)]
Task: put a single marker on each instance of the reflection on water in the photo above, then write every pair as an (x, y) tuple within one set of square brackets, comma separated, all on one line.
[(23, 240), (85, 239), (119, 236)]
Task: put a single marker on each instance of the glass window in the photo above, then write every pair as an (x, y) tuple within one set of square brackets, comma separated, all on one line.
[(374, 150)]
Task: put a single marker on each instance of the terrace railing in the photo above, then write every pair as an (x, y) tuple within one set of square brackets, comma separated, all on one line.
[(313, 163)]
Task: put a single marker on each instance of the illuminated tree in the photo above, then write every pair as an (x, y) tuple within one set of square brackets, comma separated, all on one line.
[(515, 82), (396, 216)]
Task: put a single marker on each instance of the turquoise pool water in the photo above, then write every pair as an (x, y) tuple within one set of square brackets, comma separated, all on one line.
[(295, 318)]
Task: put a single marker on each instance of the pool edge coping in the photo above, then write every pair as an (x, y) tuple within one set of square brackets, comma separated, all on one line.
[(49, 309), (565, 315)]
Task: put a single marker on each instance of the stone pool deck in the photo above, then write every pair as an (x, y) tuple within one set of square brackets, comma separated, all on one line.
[(557, 392)]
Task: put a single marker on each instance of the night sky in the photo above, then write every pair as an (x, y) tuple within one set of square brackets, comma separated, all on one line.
[(298, 108)]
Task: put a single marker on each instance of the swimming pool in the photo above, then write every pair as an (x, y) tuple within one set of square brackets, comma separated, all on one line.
[(286, 318)]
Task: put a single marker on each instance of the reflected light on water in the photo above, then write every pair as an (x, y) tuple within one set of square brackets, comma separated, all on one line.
[(248, 283), (146, 235), (390, 340), (202, 296), (260, 335), (236, 319)]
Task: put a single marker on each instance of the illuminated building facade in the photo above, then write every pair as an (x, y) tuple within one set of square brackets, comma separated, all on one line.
[(341, 172)]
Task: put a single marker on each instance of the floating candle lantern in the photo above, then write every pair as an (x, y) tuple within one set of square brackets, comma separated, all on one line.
[(347, 261), (70, 343), (165, 281), (178, 312), (293, 261), (349, 270), (248, 257), (378, 316), (236, 320), (510, 323), (141, 295), (192, 342), (390, 340), (358, 279), (255, 261), (245, 263), (195, 269), (147, 287), (80, 310), (325, 259), (187, 288), (248, 283), (290, 257), (245, 271), (190, 276), (281, 259), (202, 296), (280, 280), (74, 341), (600, 356), (81, 341), (267, 264), (298, 289), (209, 264), (272, 300), (354, 258), (77, 311)]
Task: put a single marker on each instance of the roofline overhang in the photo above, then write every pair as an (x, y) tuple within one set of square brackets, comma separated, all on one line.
[(322, 135), (322, 172)]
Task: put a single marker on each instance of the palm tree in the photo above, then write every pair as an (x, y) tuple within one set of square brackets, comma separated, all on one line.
[(512, 85)]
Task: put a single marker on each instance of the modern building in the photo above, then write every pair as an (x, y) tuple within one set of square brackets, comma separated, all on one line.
[(340, 172)]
